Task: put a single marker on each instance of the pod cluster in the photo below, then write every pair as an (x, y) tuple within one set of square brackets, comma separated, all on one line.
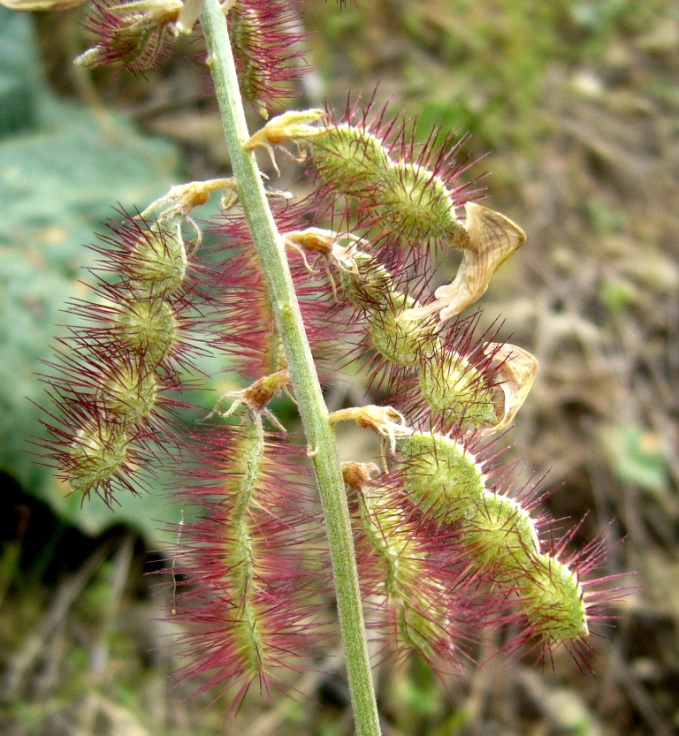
[(455, 376), (252, 594), (117, 366), (446, 483)]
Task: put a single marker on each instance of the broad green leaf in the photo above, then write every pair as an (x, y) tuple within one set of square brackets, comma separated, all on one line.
[(637, 457), (57, 184)]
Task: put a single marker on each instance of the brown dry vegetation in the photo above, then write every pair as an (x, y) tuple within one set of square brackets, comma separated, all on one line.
[(583, 123)]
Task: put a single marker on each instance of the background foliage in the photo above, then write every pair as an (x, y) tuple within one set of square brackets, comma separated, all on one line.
[(577, 103)]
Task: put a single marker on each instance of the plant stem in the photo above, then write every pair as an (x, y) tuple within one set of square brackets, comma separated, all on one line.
[(319, 434)]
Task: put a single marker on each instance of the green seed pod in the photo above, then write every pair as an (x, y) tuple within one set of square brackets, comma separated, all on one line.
[(96, 455), (245, 30), (552, 598), (440, 475), (401, 341), (158, 263), (241, 488), (385, 527), (149, 328), (130, 394), (502, 536), (451, 385), (410, 593), (367, 285), (349, 159), (411, 199), (416, 203), (445, 480)]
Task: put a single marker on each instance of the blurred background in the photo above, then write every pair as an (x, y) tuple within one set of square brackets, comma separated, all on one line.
[(576, 103)]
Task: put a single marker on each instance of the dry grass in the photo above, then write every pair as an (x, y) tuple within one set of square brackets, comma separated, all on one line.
[(588, 166)]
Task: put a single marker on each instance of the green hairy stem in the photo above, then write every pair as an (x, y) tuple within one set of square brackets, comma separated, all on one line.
[(319, 434)]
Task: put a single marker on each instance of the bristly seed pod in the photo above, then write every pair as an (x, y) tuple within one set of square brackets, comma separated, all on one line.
[(483, 385), (157, 266), (149, 328), (249, 558), (413, 200), (96, 455), (502, 535), (130, 393), (440, 475), (457, 389), (447, 484), (131, 34), (400, 342), (349, 158), (266, 39), (405, 582), (552, 598)]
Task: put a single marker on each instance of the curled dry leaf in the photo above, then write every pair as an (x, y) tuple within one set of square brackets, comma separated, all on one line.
[(491, 239), (188, 17), (290, 125), (41, 4), (384, 420), (515, 377), (358, 475)]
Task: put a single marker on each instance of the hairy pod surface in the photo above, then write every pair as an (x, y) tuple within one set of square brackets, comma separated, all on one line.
[(440, 475), (399, 341), (404, 584), (447, 484), (553, 600), (131, 393), (149, 328), (452, 385), (97, 453), (250, 558), (265, 37), (157, 266)]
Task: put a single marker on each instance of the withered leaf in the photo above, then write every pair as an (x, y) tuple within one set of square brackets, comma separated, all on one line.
[(492, 239), (517, 372)]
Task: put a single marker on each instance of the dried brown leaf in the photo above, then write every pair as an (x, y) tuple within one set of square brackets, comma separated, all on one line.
[(492, 239), (515, 377)]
